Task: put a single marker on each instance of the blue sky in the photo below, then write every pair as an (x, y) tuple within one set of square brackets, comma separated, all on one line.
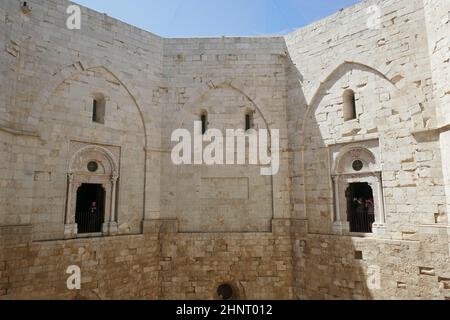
[(199, 18)]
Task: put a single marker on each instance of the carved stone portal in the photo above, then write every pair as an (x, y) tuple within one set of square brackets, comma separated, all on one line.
[(92, 164), (351, 165)]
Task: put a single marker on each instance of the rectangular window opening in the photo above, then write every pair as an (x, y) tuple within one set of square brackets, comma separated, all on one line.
[(248, 122), (98, 111), (204, 119), (360, 207)]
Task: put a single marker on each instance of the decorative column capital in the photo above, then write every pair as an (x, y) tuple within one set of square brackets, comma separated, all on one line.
[(71, 177), (377, 174), (336, 177)]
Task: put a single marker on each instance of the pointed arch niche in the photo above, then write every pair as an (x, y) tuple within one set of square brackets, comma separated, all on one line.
[(357, 165), (92, 165)]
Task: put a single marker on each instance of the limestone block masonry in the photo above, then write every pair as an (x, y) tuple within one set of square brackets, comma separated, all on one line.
[(361, 100)]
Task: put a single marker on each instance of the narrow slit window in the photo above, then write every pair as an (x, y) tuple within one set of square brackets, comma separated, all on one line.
[(248, 121), (204, 119), (349, 105), (98, 110), (94, 111)]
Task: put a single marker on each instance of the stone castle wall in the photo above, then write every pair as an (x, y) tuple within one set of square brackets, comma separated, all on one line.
[(388, 67), (184, 230), (60, 74), (226, 78), (151, 266)]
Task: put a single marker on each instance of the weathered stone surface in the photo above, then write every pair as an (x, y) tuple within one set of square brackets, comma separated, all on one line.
[(178, 232)]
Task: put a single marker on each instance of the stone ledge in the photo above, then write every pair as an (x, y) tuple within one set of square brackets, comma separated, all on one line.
[(19, 132), (279, 226), (160, 226), (15, 235), (287, 226), (431, 131), (433, 229)]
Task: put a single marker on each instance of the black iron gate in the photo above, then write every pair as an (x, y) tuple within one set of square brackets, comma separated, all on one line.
[(360, 207), (90, 213)]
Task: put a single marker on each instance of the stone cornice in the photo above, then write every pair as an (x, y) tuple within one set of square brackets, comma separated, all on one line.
[(19, 132), (432, 131)]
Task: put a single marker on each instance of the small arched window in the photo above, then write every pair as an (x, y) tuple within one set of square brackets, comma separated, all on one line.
[(204, 119), (349, 105), (98, 110), (249, 124)]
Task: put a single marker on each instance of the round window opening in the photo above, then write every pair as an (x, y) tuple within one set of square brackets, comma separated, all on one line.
[(92, 166), (357, 165), (225, 292)]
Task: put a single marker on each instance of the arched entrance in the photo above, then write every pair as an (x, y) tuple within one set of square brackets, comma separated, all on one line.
[(91, 197), (358, 192)]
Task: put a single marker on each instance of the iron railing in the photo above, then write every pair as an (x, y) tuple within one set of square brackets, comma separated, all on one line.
[(361, 222), (89, 222)]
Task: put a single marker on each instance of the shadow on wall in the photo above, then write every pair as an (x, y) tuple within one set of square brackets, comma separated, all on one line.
[(325, 122), (326, 266), (332, 268)]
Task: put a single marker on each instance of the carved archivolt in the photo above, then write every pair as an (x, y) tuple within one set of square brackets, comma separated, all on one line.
[(107, 165), (346, 159), (356, 164), (92, 164)]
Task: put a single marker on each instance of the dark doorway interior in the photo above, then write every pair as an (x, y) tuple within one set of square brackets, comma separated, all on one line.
[(90, 212), (225, 292), (360, 207)]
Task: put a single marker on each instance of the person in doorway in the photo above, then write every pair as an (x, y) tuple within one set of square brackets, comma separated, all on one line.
[(93, 208), (370, 211), (360, 214), (92, 216)]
